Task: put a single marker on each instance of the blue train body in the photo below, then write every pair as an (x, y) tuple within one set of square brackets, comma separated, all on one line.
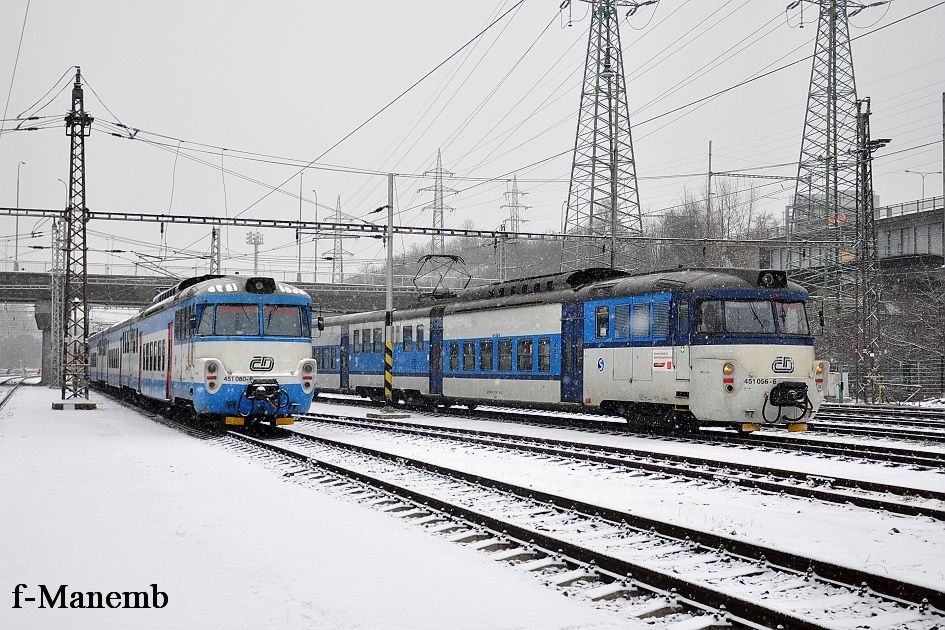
[(234, 349), (729, 347)]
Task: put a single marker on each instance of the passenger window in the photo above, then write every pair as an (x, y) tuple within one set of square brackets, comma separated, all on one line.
[(640, 322), (408, 338), (485, 356), (622, 321), (544, 354), (469, 356), (378, 340), (366, 340), (525, 355), (356, 345), (505, 355), (420, 337), (454, 356), (602, 321)]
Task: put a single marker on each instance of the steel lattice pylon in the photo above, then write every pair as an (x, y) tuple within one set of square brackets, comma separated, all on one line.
[(438, 206), (508, 258), (825, 197), (603, 198), (215, 251), (57, 283), (338, 250), (869, 351), (75, 355)]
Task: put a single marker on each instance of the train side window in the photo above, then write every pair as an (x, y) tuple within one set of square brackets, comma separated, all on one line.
[(356, 345), (682, 317), (505, 355), (660, 319), (378, 340), (709, 317), (469, 356), (526, 361), (408, 338), (566, 353), (454, 356), (366, 343), (640, 321), (485, 356), (549, 285), (544, 354), (420, 338), (602, 321), (622, 321)]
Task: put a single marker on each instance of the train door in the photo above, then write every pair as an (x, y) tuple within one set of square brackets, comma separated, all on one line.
[(681, 336), (572, 352), (436, 351), (169, 392), (345, 360), (122, 346)]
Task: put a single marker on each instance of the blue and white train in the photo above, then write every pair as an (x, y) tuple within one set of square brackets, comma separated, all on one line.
[(687, 346), (236, 350)]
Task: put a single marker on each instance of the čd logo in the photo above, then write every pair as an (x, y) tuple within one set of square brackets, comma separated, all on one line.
[(783, 365), (261, 364)]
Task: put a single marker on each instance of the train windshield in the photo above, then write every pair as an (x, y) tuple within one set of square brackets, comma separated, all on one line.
[(285, 321), (752, 317), (236, 319)]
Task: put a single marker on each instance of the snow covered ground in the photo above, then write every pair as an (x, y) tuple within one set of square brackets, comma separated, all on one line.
[(108, 500), (906, 548)]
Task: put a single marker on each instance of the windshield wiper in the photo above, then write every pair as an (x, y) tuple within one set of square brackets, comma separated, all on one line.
[(754, 313)]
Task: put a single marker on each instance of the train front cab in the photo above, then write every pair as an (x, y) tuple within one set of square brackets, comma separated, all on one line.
[(751, 359)]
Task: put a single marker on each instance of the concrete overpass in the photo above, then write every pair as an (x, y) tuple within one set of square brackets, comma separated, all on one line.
[(116, 291)]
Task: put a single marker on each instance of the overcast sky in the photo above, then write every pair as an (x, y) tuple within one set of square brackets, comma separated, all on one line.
[(289, 79)]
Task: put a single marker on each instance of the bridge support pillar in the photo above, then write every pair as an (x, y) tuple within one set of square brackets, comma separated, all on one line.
[(43, 316)]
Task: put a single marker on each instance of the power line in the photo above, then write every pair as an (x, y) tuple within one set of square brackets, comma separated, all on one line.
[(16, 63)]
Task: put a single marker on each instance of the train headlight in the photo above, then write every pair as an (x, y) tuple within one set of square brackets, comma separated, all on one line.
[(819, 369), (307, 368), (211, 385), (728, 369), (211, 368)]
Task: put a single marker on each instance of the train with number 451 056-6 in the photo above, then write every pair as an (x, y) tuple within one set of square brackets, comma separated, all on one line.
[(682, 347), (235, 350)]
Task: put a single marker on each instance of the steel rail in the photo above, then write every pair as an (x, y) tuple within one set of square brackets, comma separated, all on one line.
[(676, 465), (618, 427), (904, 594), (10, 393)]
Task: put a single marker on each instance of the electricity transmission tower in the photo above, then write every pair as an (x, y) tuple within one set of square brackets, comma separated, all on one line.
[(825, 205), (255, 238), (338, 250), (439, 192), (507, 260), (869, 348), (74, 302), (603, 198)]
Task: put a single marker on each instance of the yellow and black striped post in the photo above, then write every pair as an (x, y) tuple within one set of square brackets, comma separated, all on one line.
[(389, 371)]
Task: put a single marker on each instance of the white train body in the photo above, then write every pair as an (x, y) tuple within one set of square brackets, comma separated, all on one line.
[(728, 347)]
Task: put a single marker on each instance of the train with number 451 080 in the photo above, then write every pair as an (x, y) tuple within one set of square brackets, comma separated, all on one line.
[(683, 347), (235, 350)]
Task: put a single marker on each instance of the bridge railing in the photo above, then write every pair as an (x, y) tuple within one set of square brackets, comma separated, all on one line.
[(908, 207)]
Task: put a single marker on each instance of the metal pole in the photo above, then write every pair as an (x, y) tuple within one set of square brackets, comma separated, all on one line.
[(298, 233), (315, 240), (389, 300), (943, 179), (16, 230), (708, 199)]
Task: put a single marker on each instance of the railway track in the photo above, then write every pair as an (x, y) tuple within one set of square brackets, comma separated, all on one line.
[(928, 459), (758, 586), (877, 496), (673, 576), (9, 394)]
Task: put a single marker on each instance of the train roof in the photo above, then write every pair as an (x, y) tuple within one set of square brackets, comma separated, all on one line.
[(592, 283)]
